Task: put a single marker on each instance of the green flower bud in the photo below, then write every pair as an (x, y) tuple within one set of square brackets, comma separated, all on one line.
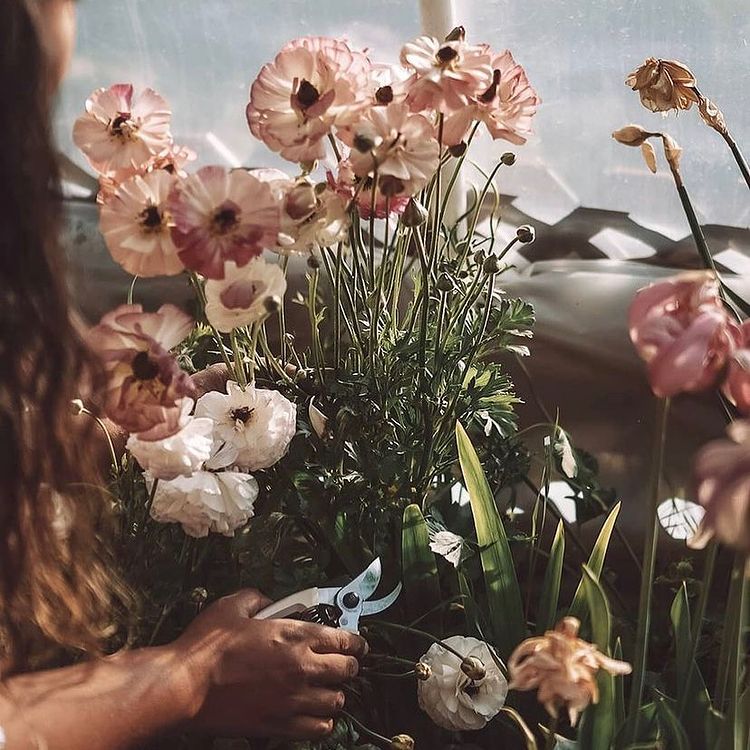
[(444, 283), (526, 234), (508, 158), (402, 742), (474, 668), (457, 34), (491, 265), (415, 214), (422, 671), (199, 595), (272, 304), (313, 262), (458, 150)]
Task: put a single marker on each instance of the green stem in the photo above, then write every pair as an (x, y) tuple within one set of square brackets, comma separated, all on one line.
[(131, 290), (738, 157), (282, 315), (647, 574), (239, 365), (550, 742), (414, 631), (366, 730), (200, 293), (253, 349)]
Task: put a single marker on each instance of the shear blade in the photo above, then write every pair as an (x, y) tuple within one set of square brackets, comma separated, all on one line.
[(371, 608), (365, 583)]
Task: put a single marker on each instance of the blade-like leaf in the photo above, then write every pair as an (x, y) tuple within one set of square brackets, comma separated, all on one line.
[(680, 616), (418, 565), (595, 564), (549, 599), (503, 594), (522, 727), (671, 729), (619, 690), (598, 723)]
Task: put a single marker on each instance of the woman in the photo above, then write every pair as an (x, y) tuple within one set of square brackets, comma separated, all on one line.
[(228, 673)]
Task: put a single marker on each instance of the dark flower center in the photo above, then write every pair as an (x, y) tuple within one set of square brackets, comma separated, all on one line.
[(118, 125), (489, 95), (243, 414), (144, 368), (446, 54), (225, 218), (151, 217), (384, 95), (307, 94), (471, 689)]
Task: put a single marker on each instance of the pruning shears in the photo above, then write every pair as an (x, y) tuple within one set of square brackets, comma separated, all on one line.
[(338, 607)]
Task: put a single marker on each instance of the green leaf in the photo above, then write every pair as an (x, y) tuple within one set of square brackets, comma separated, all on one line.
[(595, 564), (619, 690), (598, 724), (522, 727), (418, 565), (671, 729), (680, 615), (503, 594), (550, 596)]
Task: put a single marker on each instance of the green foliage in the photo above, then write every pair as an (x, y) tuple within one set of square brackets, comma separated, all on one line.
[(550, 595), (418, 566)]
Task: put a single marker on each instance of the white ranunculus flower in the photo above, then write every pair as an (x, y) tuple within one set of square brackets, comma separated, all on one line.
[(252, 426), (180, 454), (218, 502), (449, 697), (242, 296)]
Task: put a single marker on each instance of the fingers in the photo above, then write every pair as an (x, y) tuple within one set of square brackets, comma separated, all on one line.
[(337, 641), (332, 669), (247, 602), (319, 702), (305, 728)]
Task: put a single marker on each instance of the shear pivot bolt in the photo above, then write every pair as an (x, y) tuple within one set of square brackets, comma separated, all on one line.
[(350, 600)]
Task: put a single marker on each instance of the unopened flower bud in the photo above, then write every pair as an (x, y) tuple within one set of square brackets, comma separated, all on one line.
[(508, 158), (402, 742), (457, 34), (631, 135), (491, 265), (308, 166), (313, 262), (422, 671), (526, 234), (415, 214), (712, 115), (458, 150), (272, 304), (77, 407), (474, 668), (444, 283), (300, 201), (479, 257), (199, 595), (673, 152)]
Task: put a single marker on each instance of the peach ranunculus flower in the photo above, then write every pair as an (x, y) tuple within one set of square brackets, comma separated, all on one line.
[(220, 215), (506, 107), (136, 226), (245, 295), (562, 668), (313, 85), (736, 385), (388, 83), (122, 131), (663, 85), (683, 332), (722, 487), (448, 74), (145, 385), (349, 186), (397, 145)]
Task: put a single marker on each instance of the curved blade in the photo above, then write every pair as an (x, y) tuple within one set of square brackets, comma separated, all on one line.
[(371, 608), (365, 583)]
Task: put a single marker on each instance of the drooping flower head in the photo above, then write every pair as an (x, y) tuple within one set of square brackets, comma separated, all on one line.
[(245, 295), (359, 189), (313, 84), (145, 385), (506, 107), (253, 426), (122, 130), (180, 454), (397, 145), (562, 668), (448, 74), (682, 330), (136, 225), (663, 85), (205, 502), (220, 215), (722, 485), (450, 697)]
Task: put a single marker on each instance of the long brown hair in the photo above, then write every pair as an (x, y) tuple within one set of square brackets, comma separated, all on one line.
[(55, 582)]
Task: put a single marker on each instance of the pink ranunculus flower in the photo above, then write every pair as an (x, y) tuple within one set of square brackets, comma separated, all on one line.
[(682, 330), (399, 145), (389, 83), (122, 131), (220, 215), (145, 385), (137, 226), (736, 385), (313, 85), (722, 482), (448, 74), (349, 186), (506, 107)]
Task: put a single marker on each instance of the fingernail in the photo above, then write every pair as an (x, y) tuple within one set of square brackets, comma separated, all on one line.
[(367, 649)]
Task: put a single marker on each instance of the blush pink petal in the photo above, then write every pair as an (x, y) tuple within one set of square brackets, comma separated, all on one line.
[(737, 381)]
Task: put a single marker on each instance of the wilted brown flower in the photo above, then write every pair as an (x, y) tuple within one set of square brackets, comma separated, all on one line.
[(632, 135), (712, 115), (402, 742), (562, 668), (663, 85)]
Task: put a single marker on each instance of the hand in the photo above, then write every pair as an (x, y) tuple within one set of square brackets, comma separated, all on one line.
[(265, 677)]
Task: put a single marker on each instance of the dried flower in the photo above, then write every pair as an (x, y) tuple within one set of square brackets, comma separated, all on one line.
[(663, 85), (136, 226), (402, 742), (145, 386), (397, 145), (722, 481), (242, 296), (253, 426), (180, 454), (632, 135), (122, 131), (712, 115), (673, 152), (205, 502), (222, 215), (562, 668), (313, 84), (450, 697), (681, 329), (448, 74)]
